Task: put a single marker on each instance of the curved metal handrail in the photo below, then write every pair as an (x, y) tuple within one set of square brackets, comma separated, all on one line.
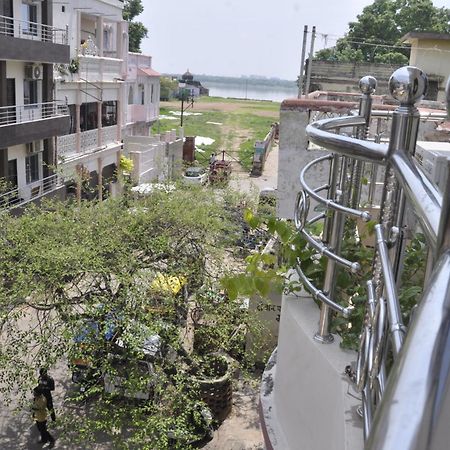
[(321, 248), (328, 203), (319, 133), (319, 295)]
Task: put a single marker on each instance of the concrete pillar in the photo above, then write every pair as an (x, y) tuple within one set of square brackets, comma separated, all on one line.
[(79, 176), (3, 163), (78, 129), (78, 32), (120, 119), (99, 35), (100, 179), (3, 102), (3, 84), (49, 157), (99, 123)]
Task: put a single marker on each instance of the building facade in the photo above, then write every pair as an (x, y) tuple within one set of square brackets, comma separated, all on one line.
[(93, 84), (431, 52), (143, 92), (31, 117)]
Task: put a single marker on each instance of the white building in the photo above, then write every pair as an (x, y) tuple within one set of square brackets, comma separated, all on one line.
[(30, 117), (142, 90), (94, 87)]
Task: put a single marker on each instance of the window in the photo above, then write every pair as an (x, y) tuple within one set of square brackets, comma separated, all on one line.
[(151, 96), (131, 96), (32, 168), (109, 113), (29, 15), (142, 93), (88, 116), (30, 92), (6, 10)]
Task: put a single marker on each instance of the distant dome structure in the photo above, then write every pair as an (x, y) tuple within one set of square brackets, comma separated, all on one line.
[(188, 83), (187, 76)]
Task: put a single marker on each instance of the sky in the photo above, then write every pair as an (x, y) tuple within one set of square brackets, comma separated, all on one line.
[(242, 37)]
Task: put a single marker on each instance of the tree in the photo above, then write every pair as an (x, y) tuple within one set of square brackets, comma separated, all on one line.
[(168, 87), (378, 29), (136, 30), (77, 278)]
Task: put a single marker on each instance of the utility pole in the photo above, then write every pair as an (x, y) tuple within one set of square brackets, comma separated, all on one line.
[(302, 61), (311, 53), (186, 96)]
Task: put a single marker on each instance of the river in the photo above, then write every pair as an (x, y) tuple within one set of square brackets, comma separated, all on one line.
[(250, 89)]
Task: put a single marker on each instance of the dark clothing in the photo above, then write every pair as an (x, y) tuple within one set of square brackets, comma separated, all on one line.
[(45, 435), (47, 384)]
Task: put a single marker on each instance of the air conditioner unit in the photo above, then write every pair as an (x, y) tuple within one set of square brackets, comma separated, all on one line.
[(33, 72)]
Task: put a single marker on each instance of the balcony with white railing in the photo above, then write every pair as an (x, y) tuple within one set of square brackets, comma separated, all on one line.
[(31, 192), (31, 41), (34, 31), (394, 392), (27, 123), (18, 114), (89, 143)]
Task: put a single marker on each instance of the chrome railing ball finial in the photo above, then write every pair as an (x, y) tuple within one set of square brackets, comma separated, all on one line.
[(368, 85), (408, 85)]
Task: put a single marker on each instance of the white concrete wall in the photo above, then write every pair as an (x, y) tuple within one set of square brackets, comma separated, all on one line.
[(293, 155), (16, 69), (433, 57), (314, 404), (111, 10)]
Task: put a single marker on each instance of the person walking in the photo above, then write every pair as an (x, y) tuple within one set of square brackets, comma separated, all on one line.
[(47, 384), (40, 416)]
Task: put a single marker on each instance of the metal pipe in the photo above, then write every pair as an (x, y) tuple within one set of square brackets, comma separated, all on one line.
[(394, 312), (367, 86), (413, 414), (310, 59), (344, 145), (329, 203), (326, 251), (319, 295), (425, 200), (302, 61)]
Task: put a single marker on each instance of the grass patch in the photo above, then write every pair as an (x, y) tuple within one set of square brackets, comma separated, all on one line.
[(241, 126)]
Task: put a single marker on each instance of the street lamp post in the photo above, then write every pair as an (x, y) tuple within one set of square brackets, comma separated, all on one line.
[(186, 97)]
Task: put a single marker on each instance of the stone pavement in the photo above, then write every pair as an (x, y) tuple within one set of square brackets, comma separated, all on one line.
[(241, 430)]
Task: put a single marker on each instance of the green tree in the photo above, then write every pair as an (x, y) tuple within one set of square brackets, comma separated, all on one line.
[(167, 88), (136, 30), (381, 25), (87, 270)]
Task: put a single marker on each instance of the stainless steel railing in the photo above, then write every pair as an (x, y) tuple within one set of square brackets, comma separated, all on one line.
[(420, 377), (12, 115), (35, 31)]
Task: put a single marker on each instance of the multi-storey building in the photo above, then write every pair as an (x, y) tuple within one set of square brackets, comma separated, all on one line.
[(30, 117), (93, 86), (143, 92)]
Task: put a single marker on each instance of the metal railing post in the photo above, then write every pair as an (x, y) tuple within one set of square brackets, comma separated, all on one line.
[(367, 85), (334, 226), (407, 85)]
